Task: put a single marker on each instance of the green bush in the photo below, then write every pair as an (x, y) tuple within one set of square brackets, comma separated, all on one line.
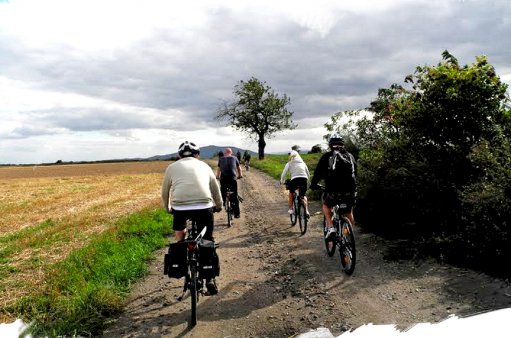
[(434, 161)]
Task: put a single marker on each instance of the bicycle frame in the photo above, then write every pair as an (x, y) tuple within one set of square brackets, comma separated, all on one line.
[(300, 215), (343, 239), (192, 281)]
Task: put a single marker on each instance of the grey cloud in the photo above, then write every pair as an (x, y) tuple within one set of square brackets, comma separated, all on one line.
[(361, 53), (63, 120)]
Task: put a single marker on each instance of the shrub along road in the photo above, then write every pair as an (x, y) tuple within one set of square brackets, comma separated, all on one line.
[(276, 283)]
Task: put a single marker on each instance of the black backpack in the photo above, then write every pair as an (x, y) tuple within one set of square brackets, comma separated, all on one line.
[(341, 170)]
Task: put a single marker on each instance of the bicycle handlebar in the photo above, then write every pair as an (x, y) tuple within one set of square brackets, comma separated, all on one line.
[(318, 187)]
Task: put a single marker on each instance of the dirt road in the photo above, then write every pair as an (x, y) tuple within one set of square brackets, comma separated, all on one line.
[(276, 283)]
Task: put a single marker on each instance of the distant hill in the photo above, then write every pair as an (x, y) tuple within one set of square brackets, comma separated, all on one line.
[(205, 152)]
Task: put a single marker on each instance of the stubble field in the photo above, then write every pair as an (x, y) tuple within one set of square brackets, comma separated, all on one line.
[(48, 211)]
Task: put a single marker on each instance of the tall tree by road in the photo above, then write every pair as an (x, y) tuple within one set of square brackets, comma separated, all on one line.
[(258, 111)]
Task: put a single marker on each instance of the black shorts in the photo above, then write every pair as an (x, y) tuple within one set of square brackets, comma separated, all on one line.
[(203, 218), (347, 200), (299, 183)]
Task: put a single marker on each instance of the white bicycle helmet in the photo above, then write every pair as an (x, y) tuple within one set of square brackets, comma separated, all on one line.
[(187, 149)]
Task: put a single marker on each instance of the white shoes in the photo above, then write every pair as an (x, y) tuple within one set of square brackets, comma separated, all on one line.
[(291, 212), (329, 232)]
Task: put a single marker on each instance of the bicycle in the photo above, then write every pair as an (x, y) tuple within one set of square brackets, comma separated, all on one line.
[(343, 238), (299, 212), (189, 259), (228, 207)]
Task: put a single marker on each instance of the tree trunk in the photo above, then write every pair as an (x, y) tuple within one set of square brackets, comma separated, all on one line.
[(261, 145)]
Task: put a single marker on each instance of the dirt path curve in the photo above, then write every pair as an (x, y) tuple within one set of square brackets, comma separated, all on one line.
[(276, 283)]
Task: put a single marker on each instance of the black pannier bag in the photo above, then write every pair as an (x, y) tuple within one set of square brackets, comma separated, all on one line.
[(175, 260), (209, 264)]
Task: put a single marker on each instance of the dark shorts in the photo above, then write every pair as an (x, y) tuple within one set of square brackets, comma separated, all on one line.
[(203, 218), (346, 200), (299, 183)]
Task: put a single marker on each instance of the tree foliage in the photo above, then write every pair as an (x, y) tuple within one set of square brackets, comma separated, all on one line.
[(258, 111), (435, 155), (316, 149)]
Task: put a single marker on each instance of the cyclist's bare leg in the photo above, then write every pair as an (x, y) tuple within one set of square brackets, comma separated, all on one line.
[(290, 200), (179, 235), (350, 217), (328, 215), (305, 204)]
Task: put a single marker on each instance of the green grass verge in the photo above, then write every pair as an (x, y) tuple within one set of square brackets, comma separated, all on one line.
[(89, 286)]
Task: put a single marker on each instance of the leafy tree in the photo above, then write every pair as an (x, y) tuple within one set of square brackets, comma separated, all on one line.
[(258, 111), (316, 149)]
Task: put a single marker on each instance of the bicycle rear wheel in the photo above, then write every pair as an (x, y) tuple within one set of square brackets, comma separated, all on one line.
[(293, 217), (193, 293), (347, 249), (331, 241), (228, 209), (302, 218)]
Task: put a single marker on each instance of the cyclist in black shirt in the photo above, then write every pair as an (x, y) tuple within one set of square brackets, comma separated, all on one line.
[(338, 169), (228, 171)]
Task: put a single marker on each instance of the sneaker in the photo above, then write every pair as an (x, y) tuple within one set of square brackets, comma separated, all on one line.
[(291, 212), (329, 232), (211, 286)]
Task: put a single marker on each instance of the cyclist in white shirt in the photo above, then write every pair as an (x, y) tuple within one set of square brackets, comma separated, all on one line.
[(299, 172)]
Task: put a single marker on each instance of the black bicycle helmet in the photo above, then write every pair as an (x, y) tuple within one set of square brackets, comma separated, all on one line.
[(335, 140), (187, 149), (296, 147)]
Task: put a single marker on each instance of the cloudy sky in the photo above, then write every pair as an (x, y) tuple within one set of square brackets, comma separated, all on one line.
[(98, 79)]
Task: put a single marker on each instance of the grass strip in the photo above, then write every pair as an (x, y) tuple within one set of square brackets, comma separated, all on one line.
[(89, 286)]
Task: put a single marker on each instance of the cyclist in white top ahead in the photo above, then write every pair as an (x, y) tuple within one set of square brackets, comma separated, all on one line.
[(299, 173)]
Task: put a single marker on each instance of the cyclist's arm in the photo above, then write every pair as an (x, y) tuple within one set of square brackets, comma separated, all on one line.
[(165, 191), (284, 173), (307, 172), (238, 169), (215, 191), (319, 172), (218, 172)]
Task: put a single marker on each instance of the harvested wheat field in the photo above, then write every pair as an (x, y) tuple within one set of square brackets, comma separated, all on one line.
[(48, 211)]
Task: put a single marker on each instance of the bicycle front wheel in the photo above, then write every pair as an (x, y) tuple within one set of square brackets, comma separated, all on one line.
[(347, 248), (193, 293), (302, 218)]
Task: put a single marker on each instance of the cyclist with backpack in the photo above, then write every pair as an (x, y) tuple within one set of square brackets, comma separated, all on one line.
[(190, 191), (337, 168), (299, 173), (246, 157)]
